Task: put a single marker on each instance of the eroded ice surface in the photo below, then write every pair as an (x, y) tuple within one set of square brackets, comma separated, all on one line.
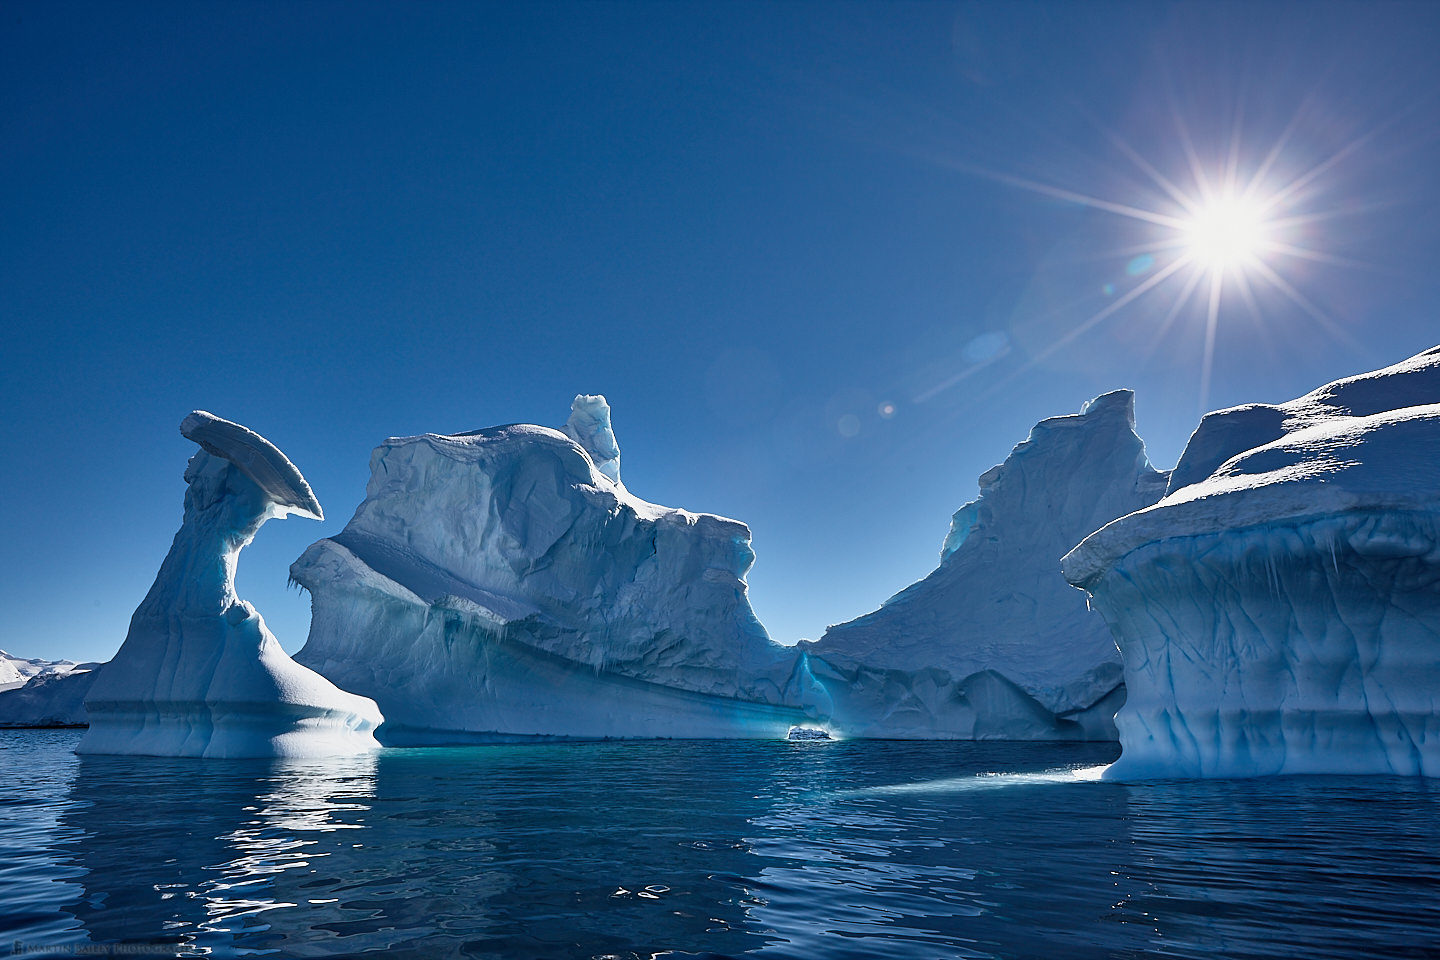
[(1279, 609), (503, 583), (199, 674), (994, 642)]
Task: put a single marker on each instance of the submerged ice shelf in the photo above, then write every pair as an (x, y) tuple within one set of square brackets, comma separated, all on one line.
[(199, 674), (1279, 609), (504, 583)]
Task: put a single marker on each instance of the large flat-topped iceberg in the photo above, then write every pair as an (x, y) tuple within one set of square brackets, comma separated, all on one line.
[(199, 674), (994, 642), (1279, 609), (504, 583)]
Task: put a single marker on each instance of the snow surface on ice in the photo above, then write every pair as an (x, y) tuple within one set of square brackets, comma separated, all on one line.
[(503, 583), (14, 671), (199, 674), (1279, 610), (994, 642), (49, 699)]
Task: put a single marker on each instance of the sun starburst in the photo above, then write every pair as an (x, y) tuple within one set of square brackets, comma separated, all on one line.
[(1216, 233)]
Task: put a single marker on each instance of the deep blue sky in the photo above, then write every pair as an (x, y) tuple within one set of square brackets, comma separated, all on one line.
[(749, 226)]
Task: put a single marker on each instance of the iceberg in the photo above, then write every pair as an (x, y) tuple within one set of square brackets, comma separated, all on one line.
[(504, 584), (199, 674), (49, 699), (994, 643), (1279, 610)]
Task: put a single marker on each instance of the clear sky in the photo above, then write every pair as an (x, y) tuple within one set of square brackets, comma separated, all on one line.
[(829, 262)]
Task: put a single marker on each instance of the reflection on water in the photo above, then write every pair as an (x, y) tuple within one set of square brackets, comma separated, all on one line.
[(778, 850)]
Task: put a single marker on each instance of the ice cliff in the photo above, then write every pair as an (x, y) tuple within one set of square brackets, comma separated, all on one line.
[(994, 642), (199, 674), (1279, 610), (504, 584)]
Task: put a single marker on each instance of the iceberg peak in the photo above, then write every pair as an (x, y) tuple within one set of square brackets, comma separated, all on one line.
[(258, 458), (993, 642), (589, 425)]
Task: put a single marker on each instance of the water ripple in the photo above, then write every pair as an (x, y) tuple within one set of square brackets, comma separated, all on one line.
[(707, 850)]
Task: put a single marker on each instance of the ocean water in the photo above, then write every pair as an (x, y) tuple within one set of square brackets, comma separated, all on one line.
[(704, 849)]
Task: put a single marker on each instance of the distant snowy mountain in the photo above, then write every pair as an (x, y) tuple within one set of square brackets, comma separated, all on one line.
[(505, 583), (994, 642), (49, 699), (10, 675), (43, 693), (13, 668), (1279, 609)]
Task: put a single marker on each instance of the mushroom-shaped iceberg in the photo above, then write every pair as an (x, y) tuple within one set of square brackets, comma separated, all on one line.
[(199, 675)]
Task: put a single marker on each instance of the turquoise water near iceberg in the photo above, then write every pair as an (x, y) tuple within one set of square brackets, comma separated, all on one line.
[(851, 849)]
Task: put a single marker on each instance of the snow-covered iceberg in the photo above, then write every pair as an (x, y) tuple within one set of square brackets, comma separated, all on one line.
[(1279, 610), (504, 584), (994, 642), (51, 698), (199, 674)]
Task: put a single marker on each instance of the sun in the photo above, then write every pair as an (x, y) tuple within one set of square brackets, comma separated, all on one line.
[(1216, 233), (1227, 235)]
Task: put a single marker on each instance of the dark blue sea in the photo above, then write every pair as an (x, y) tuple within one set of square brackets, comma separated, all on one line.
[(853, 849)]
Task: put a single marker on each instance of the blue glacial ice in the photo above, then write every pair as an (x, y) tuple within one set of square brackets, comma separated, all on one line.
[(1279, 610), (994, 643), (199, 674), (505, 584)]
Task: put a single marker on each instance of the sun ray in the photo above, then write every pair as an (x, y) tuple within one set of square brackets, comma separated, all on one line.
[(1151, 246), (1192, 156), (1315, 256), (1216, 215), (1340, 334), (1196, 275), (1257, 180), (1186, 202), (1232, 160), (1324, 216), (1124, 210), (1129, 297), (1247, 294), (1284, 193), (1212, 322)]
